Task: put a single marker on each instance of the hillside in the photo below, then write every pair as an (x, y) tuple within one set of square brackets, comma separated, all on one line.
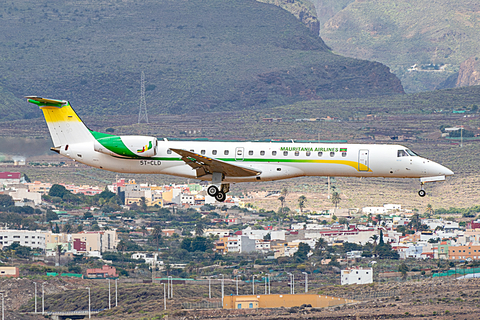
[(197, 55), (402, 33)]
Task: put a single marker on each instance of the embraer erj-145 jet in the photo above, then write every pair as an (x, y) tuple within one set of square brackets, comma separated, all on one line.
[(223, 163)]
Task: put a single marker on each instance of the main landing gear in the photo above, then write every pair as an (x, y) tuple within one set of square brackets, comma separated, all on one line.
[(220, 195)]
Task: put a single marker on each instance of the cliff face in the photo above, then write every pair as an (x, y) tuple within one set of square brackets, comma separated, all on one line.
[(303, 10), (469, 73)]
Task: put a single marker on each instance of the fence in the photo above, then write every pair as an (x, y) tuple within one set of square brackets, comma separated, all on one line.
[(460, 272), (202, 305)]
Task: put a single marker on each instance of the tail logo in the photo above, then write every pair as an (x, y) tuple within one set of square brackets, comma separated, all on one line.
[(145, 148)]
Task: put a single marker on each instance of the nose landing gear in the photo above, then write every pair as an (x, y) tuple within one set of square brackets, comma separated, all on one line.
[(424, 180)]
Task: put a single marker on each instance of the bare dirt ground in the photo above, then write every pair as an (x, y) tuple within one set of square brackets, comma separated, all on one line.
[(427, 299)]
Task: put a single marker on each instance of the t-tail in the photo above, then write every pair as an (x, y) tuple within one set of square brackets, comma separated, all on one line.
[(63, 123)]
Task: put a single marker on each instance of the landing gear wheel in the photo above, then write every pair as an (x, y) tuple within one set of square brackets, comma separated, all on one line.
[(422, 193), (220, 196), (212, 191)]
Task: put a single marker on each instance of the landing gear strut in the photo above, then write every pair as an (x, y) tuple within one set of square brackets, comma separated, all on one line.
[(220, 195), (422, 192)]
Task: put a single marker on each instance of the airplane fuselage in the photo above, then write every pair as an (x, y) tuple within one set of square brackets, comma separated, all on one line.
[(275, 160)]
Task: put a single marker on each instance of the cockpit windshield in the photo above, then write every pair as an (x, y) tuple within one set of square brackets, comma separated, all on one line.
[(411, 153), (406, 153)]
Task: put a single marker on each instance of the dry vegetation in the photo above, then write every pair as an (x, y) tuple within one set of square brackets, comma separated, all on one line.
[(439, 298)]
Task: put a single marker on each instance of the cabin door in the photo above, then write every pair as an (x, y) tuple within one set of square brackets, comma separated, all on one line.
[(363, 160)]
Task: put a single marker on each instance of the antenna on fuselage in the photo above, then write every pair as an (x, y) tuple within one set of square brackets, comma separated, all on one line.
[(142, 114)]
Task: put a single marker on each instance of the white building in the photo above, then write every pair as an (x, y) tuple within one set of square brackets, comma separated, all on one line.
[(382, 210), (220, 233), (150, 259), (20, 194), (357, 276), (187, 199), (26, 238), (262, 245), (240, 244)]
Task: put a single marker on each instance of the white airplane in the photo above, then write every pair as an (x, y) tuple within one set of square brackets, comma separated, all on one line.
[(223, 163)]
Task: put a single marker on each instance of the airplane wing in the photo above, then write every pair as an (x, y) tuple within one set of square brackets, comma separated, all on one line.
[(205, 165)]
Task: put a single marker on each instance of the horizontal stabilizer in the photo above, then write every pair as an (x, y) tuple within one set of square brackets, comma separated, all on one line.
[(209, 165), (46, 102)]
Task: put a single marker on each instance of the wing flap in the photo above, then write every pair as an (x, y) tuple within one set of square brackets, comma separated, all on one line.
[(205, 165)]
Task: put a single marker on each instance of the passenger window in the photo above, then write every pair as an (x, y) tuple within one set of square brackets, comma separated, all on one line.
[(191, 150), (262, 153), (214, 152), (202, 152), (320, 154), (250, 153), (344, 154), (332, 154), (239, 152), (274, 153), (308, 153), (225, 152), (297, 153), (401, 153), (169, 151), (285, 153)]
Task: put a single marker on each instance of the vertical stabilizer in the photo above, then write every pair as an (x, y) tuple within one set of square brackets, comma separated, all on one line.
[(63, 123)]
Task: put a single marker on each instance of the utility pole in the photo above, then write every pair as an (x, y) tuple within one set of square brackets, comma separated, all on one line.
[(35, 297), (43, 298), (209, 287), (223, 280), (164, 297), (269, 286), (306, 281), (3, 305), (116, 293), (142, 114), (109, 296), (237, 283), (89, 302), (253, 285)]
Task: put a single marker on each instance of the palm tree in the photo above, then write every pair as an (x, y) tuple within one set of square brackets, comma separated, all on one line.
[(336, 199), (320, 246), (374, 238), (302, 200), (199, 229), (282, 202), (415, 222), (429, 212), (157, 234), (284, 192), (143, 230), (59, 252)]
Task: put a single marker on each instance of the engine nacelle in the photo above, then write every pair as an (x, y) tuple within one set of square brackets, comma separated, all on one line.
[(127, 146)]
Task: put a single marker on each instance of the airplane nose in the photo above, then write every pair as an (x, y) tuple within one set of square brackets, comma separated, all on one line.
[(447, 171), (443, 171)]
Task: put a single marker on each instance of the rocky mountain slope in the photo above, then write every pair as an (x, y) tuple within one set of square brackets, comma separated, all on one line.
[(436, 36), (196, 55)]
